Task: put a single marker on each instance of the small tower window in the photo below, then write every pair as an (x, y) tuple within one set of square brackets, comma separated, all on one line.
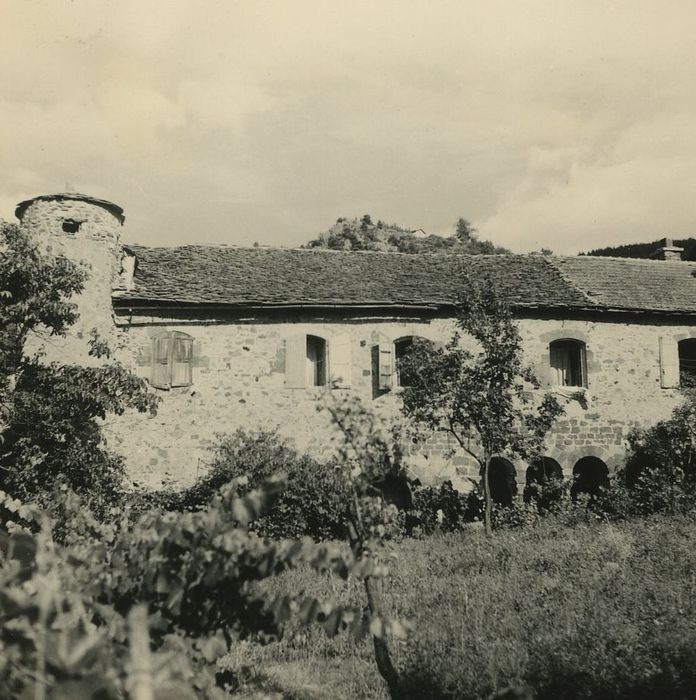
[(71, 226), (568, 363)]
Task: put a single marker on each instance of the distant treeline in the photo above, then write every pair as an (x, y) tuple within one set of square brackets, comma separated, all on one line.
[(645, 250)]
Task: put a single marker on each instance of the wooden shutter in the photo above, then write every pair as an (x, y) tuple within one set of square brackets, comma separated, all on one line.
[(296, 361), (543, 370), (161, 374), (340, 365), (385, 362), (181, 359), (669, 363)]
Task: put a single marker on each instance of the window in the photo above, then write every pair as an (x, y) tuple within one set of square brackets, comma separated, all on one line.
[(172, 359), (687, 362), (311, 360), (389, 361), (568, 363), (402, 347), (316, 361), (71, 226)]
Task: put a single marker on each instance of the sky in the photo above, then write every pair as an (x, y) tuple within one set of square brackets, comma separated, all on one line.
[(567, 125)]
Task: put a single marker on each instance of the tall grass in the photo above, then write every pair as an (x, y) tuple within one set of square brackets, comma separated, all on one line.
[(591, 611)]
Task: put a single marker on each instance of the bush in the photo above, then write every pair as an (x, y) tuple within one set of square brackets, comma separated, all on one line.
[(444, 508), (591, 611), (313, 504), (64, 605)]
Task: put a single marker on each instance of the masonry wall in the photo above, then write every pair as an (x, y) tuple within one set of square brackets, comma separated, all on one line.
[(96, 246), (239, 382)]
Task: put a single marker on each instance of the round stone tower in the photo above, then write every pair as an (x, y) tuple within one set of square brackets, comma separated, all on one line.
[(87, 230)]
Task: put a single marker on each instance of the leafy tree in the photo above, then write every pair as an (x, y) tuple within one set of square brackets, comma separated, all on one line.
[(50, 423), (369, 452), (485, 399), (464, 231)]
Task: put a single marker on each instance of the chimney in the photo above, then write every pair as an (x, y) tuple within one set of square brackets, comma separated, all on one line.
[(668, 251)]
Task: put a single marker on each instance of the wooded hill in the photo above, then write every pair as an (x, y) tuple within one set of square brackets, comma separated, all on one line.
[(363, 234), (644, 250)]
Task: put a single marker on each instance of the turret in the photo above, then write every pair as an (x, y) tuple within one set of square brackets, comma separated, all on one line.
[(83, 229)]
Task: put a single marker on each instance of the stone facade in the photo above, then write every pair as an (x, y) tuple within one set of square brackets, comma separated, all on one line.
[(239, 364), (239, 381)]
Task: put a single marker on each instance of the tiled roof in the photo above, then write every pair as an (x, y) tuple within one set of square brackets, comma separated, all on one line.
[(207, 275), (633, 284), (277, 276)]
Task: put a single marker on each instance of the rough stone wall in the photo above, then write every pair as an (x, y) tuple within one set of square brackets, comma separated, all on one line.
[(96, 245), (239, 382)]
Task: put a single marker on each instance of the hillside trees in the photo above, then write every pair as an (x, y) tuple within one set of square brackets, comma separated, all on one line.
[(484, 398), (363, 234), (50, 412)]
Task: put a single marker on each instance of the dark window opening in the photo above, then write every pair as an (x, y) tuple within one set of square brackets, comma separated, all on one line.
[(502, 479), (71, 226), (591, 475), (568, 363), (316, 361), (687, 362), (402, 349)]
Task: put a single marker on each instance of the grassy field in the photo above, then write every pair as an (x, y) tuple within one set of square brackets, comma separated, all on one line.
[(590, 611)]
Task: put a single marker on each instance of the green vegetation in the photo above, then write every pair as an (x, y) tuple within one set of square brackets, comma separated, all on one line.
[(49, 412), (484, 400), (587, 611), (363, 234)]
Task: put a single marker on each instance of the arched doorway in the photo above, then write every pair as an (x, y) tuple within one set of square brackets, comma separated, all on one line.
[(502, 478), (542, 471), (591, 474)]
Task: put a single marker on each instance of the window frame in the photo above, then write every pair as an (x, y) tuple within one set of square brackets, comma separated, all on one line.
[(403, 340), (580, 360), (168, 381), (323, 343), (691, 372)]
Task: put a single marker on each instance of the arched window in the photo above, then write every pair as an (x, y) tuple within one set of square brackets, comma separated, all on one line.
[(402, 348), (172, 360), (316, 361), (591, 474), (687, 362), (502, 479), (568, 366)]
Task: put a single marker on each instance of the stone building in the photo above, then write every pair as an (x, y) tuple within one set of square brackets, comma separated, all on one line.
[(254, 337)]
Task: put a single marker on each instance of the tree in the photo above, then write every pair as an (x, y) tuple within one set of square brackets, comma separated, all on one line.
[(50, 427), (464, 231), (485, 399)]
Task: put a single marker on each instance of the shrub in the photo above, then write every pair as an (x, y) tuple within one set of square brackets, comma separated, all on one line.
[(63, 606), (314, 502), (444, 508)]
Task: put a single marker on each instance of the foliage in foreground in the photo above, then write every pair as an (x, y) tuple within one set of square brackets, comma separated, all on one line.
[(589, 611), (50, 413), (63, 606)]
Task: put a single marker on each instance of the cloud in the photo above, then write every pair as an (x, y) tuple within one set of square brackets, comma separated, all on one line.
[(563, 125)]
